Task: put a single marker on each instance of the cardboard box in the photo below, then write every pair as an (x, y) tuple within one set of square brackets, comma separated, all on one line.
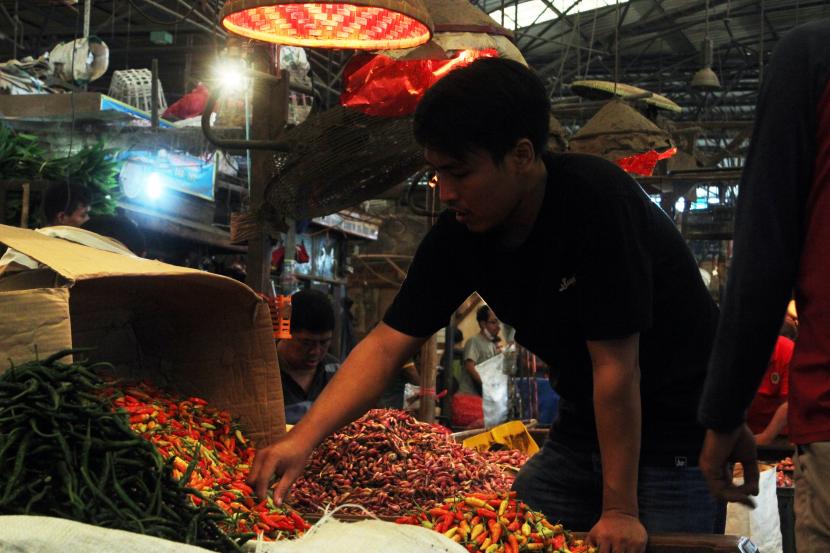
[(195, 332)]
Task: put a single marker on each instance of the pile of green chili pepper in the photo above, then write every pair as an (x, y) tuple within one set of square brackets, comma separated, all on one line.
[(207, 441), (65, 452)]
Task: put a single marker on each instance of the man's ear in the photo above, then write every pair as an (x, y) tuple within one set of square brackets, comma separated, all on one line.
[(60, 218), (524, 154)]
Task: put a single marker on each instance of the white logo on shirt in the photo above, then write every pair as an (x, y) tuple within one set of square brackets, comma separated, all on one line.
[(567, 283)]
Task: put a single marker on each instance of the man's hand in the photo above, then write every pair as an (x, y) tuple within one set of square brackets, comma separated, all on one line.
[(285, 459), (617, 532), (721, 448)]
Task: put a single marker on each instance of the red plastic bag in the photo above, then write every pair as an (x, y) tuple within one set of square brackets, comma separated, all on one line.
[(643, 164), (467, 411), (376, 84), (190, 105)]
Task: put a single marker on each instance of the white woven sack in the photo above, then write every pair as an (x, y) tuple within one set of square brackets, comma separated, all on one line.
[(365, 536), (32, 534)]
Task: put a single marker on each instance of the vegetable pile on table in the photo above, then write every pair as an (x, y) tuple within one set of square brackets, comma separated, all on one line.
[(493, 523), (507, 458), (388, 462), (785, 468), (210, 453), (65, 453)]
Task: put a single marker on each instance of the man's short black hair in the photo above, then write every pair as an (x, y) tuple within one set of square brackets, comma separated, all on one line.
[(490, 104), (65, 197), (483, 314), (121, 228), (311, 311)]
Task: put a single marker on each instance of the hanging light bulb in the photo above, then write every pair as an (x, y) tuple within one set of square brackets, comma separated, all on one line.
[(705, 78), (363, 25)]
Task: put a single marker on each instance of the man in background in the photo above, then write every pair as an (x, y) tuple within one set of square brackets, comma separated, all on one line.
[(478, 349), (66, 204), (305, 364), (782, 244)]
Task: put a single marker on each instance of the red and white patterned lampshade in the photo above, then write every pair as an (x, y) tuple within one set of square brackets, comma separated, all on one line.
[(359, 25)]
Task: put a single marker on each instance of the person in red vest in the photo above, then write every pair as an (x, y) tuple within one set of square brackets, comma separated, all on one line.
[(767, 414)]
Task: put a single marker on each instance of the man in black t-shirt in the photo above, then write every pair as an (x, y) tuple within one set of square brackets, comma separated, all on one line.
[(306, 367), (615, 306)]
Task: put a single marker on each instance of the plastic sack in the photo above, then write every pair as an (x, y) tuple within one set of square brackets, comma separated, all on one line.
[(762, 524), (376, 84), (644, 164), (190, 105), (33, 534), (365, 536), (494, 390)]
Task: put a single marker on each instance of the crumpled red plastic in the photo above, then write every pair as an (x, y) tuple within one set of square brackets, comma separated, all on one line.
[(643, 164), (376, 84), (190, 105)]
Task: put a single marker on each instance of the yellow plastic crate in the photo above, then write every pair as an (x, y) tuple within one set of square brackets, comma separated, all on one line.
[(512, 435)]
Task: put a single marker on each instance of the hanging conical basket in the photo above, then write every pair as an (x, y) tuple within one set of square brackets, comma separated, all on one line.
[(337, 159), (557, 140), (459, 16), (617, 131)]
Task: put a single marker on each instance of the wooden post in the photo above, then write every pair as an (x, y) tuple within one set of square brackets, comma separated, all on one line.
[(24, 206), (269, 111), (429, 362)]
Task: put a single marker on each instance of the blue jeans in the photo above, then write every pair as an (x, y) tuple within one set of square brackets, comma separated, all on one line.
[(567, 486)]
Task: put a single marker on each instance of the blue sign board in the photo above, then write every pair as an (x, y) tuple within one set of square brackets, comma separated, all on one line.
[(145, 175)]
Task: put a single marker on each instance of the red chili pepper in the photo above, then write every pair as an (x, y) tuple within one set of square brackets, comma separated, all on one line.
[(513, 543), (487, 514)]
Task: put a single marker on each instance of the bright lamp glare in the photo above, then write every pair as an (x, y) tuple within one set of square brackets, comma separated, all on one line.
[(680, 204), (230, 75), (154, 186)]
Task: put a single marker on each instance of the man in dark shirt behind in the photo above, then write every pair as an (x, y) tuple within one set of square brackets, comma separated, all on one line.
[(305, 364), (618, 311)]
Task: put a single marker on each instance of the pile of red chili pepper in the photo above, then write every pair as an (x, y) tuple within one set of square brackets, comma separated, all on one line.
[(508, 458), (388, 462), (785, 468), (210, 453), (495, 523)]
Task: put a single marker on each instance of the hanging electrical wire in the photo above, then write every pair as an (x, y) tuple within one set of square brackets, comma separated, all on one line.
[(591, 44), (151, 19)]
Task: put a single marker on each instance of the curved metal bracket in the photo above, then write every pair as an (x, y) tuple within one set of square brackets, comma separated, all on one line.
[(232, 144)]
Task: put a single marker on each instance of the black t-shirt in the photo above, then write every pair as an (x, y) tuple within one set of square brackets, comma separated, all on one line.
[(602, 262), (297, 401)]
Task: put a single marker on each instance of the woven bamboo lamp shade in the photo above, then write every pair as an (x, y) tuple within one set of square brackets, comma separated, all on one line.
[(459, 16), (617, 131), (358, 25)]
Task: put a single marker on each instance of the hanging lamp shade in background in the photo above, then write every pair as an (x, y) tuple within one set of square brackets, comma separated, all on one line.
[(618, 132), (359, 25), (705, 78)]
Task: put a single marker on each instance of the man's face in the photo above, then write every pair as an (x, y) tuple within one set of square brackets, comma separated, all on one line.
[(74, 219), (481, 193), (491, 325), (306, 349)]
